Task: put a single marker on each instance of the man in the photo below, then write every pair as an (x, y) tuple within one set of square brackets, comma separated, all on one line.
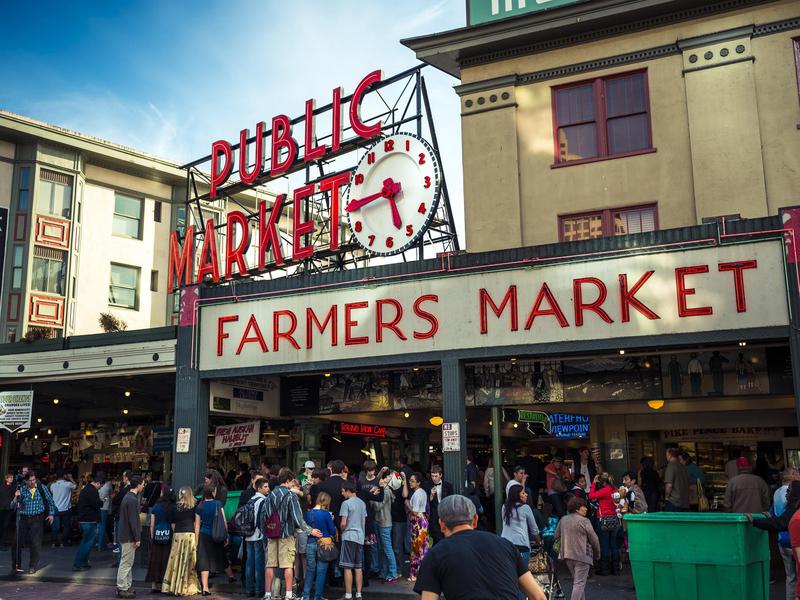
[(437, 490), (333, 485), (472, 565), (472, 476), (124, 488), (583, 464), (105, 497), (251, 490), (401, 536), (369, 491), (695, 474), (534, 469), (89, 505), (34, 506), (281, 551), (386, 563), (557, 478), (308, 469), (351, 558), (746, 493), (520, 478), (62, 490), (254, 544), (7, 490), (130, 536), (676, 484), (637, 503)]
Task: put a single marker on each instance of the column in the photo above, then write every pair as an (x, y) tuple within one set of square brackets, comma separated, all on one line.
[(420, 439), (191, 411), (454, 411), (497, 466)]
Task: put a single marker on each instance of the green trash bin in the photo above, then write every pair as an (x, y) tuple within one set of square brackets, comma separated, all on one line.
[(698, 556), (231, 503)]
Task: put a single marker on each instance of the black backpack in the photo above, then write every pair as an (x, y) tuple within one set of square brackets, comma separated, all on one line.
[(245, 518)]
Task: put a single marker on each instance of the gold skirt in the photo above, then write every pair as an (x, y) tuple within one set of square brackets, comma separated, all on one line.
[(180, 578)]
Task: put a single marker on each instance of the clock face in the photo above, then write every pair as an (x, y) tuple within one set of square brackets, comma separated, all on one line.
[(393, 194)]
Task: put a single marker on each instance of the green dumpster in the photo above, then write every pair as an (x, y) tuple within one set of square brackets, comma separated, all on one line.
[(231, 503), (698, 556)]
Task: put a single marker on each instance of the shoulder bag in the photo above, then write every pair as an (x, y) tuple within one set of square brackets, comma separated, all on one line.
[(702, 499), (327, 550), (219, 529), (162, 533)]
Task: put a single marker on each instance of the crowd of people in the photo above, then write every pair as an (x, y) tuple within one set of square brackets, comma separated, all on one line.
[(294, 535)]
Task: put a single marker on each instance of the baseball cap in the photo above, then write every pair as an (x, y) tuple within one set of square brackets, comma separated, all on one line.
[(743, 462), (309, 465)]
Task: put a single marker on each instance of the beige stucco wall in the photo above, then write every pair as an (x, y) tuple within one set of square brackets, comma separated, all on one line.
[(726, 138)]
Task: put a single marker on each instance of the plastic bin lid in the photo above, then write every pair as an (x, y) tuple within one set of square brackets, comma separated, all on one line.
[(689, 517)]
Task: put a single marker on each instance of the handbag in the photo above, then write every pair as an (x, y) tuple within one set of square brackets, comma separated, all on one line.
[(219, 529), (327, 550), (702, 500), (539, 562), (609, 523), (162, 533)]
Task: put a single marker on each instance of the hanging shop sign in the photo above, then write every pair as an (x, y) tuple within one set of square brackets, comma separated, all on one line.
[(451, 437), (238, 435), (732, 287), (390, 198), (15, 410), (252, 397), (362, 429), (564, 426)]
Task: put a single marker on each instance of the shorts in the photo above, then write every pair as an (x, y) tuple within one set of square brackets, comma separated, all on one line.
[(281, 552), (351, 555), (302, 541)]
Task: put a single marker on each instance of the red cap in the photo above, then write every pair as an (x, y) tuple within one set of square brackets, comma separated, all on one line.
[(743, 462)]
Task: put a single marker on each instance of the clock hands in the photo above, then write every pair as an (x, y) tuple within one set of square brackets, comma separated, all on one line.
[(389, 190)]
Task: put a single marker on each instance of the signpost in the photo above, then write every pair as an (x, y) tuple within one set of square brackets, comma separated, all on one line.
[(15, 410), (485, 11)]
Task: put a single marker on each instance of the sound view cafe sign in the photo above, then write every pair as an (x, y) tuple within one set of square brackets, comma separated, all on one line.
[(389, 199), (733, 287)]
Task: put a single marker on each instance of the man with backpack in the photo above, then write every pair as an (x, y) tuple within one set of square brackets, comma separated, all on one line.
[(34, 506), (283, 517), (247, 519)]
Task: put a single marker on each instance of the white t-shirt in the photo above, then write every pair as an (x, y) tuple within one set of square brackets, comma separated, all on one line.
[(62, 494), (419, 501)]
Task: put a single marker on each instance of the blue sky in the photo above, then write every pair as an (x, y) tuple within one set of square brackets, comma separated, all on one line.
[(171, 77)]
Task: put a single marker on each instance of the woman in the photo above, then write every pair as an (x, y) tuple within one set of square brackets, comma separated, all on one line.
[(605, 494), (650, 481), (519, 525), (579, 545), (418, 520), (214, 479), (162, 525), (558, 478), (180, 578), (320, 518), (210, 554)]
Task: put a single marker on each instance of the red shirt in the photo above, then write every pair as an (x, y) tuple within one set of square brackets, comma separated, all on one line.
[(794, 536), (608, 508)]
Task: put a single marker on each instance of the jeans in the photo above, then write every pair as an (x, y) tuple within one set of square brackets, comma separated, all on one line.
[(401, 541), (387, 562), (101, 532), (60, 523), (88, 533), (526, 556), (254, 568), (608, 544), (316, 572), (789, 568)]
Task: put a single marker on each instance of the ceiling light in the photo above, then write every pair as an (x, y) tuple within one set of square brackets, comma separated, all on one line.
[(36, 437), (516, 425), (336, 439), (436, 421), (127, 393), (655, 404), (327, 374), (406, 414), (622, 351), (742, 344), (49, 432), (490, 423), (39, 420), (55, 400), (124, 411), (415, 369), (88, 432), (513, 359)]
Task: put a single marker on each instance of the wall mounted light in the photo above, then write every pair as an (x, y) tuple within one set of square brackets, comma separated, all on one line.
[(655, 404), (436, 421)]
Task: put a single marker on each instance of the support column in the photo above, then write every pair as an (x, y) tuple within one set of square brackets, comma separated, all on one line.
[(420, 439), (5, 455), (497, 465), (191, 411), (454, 411)]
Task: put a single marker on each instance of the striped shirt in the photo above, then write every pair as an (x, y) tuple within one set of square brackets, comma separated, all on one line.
[(289, 511), (31, 501)]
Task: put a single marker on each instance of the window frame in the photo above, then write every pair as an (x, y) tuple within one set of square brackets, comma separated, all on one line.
[(60, 275), (601, 118), (136, 296), (607, 216), (139, 219), (41, 180)]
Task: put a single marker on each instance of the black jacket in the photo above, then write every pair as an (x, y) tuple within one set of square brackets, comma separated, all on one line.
[(433, 522), (7, 495), (780, 523), (89, 504), (246, 496)]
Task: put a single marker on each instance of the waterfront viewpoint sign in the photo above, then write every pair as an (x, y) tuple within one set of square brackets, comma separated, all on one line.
[(714, 288), (483, 11)]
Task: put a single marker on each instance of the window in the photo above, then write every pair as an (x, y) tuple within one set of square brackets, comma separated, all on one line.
[(49, 270), (16, 267), (23, 199), (54, 194), (124, 287), (602, 118), (127, 216), (180, 220), (11, 334), (153, 281), (157, 212), (615, 221)]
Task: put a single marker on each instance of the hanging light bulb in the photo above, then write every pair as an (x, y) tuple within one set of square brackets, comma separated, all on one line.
[(56, 400), (406, 414), (127, 393)]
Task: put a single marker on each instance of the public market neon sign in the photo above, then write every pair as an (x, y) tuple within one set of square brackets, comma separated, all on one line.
[(284, 151)]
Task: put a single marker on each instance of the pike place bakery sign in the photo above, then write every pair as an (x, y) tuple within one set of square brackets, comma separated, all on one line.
[(389, 199), (709, 289)]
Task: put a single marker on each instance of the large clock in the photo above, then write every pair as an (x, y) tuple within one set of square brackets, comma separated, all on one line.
[(393, 194)]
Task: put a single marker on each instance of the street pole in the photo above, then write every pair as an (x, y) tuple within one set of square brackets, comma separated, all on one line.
[(497, 465)]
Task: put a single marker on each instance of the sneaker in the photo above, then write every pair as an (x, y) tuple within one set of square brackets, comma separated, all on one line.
[(391, 580)]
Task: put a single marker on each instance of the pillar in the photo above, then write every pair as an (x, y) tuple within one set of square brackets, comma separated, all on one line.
[(420, 440), (191, 411), (454, 411), (497, 465)]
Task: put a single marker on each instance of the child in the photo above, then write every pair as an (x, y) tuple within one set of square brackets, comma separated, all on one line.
[(351, 558)]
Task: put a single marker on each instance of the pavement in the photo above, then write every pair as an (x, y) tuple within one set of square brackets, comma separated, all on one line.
[(55, 579)]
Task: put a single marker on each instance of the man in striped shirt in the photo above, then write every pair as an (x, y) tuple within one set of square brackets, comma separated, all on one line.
[(34, 505)]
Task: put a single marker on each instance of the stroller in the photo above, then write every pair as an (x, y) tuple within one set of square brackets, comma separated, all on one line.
[(543, 569)]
